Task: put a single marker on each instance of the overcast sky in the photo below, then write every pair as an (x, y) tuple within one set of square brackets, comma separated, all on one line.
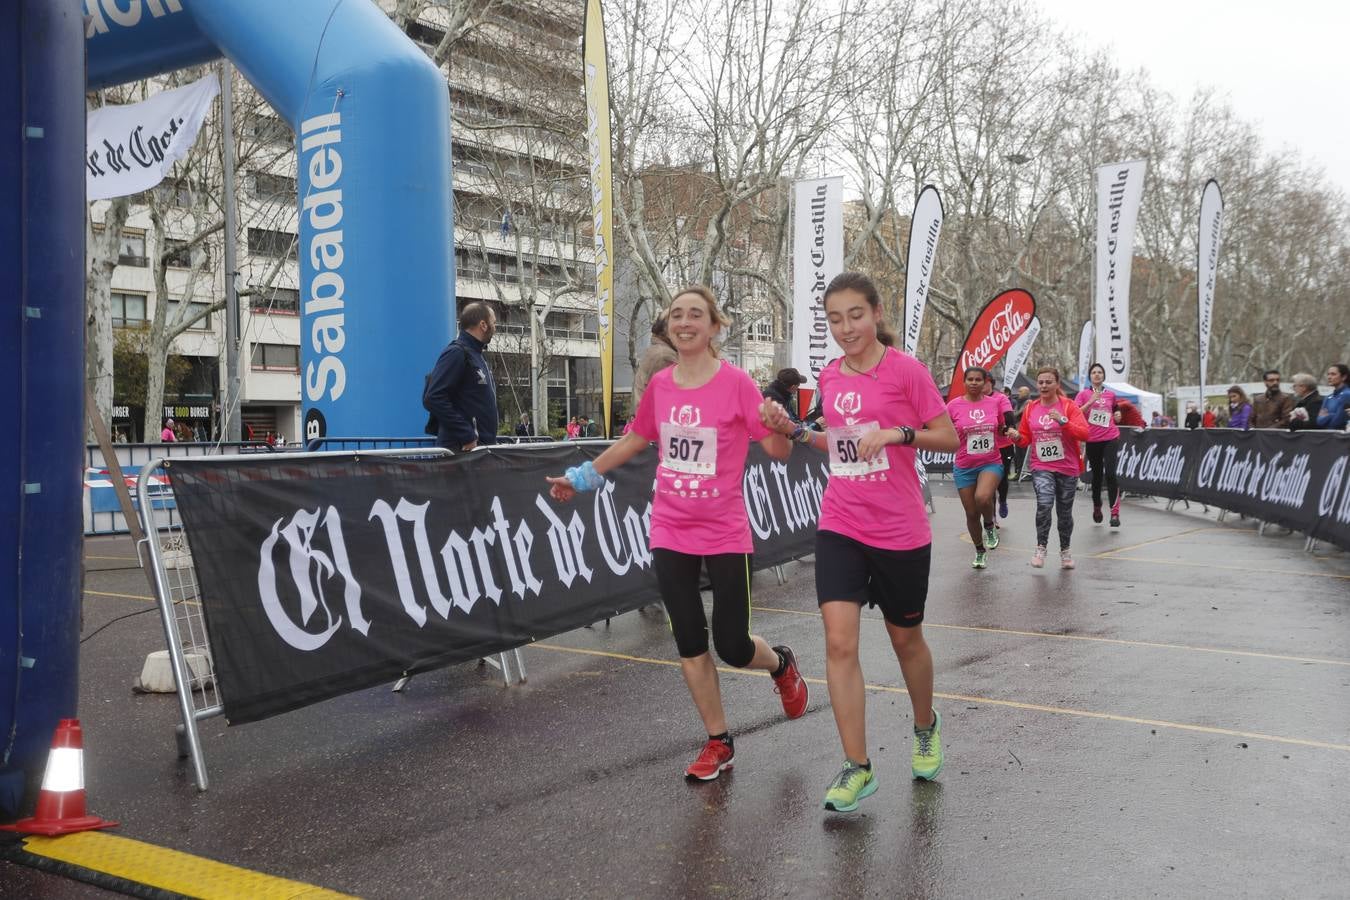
[(1285, 66)]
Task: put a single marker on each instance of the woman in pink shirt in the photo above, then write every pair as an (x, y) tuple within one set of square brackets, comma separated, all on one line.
[(1098, 405), (873, 543), (979, 422), (1052, 426), (702, 413)]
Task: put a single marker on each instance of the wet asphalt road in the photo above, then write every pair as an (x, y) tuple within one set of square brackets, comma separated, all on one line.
[(1171, 719)]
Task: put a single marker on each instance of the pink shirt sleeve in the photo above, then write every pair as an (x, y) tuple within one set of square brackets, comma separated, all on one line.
[(923, 394)]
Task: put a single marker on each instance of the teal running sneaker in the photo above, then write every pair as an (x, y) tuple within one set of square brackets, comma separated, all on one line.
[(990, 537), (852, 784), (927, 758), (980, 561)]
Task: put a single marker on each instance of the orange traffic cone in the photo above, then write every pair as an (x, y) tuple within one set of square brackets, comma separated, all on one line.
[(60, 806)]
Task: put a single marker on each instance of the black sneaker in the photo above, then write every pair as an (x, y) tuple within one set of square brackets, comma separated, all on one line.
[(1097, 514)]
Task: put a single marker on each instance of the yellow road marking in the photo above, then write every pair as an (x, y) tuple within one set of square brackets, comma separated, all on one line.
[(1167, 537), (1227, 567), (1100, 640), (1010, 704), (168, 870), (122, 596)]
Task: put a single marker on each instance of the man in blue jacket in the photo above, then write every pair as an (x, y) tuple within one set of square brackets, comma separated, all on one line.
[(1337, 404), (460, 392)]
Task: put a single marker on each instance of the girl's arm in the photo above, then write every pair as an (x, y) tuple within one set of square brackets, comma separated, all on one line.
[(618, 453)]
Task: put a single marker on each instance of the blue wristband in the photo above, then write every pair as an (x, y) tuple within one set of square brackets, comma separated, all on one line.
[(584, 477)]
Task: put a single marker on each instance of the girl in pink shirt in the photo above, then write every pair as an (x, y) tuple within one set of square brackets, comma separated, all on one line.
[(1098, 405), (1004, 441), (979, 422), (702, 413), (873, 544), (1052, 426)]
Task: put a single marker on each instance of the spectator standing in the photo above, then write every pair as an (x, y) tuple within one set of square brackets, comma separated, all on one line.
[(1333, 412), (660, 354), (1193, 418), (589, 429), (1271, 408), (167, 434), (461, 393), (523, 427), (1156, 421), (1239, 409), (783, 389), (573, 429), (1307, 403), (1209, 420)]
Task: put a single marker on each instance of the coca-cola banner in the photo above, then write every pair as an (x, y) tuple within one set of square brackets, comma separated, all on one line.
[(324, 575), (1300, 480), (998, 326)]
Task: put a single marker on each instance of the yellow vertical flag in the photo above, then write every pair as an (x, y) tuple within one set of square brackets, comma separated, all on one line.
[(595, 60)]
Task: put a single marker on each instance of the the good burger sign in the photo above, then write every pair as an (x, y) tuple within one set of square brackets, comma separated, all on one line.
[(1002, 321)]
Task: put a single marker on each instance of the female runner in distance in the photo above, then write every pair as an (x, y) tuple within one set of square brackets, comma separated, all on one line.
[(1052, 426), (979, 420)]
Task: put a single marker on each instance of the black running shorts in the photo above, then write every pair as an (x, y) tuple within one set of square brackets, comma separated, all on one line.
[(895, 581)]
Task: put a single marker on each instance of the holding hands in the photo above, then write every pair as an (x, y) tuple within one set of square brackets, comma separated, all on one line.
[(775, 418)]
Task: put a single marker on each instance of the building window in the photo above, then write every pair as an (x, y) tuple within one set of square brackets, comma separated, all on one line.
[(128, 310), (202, 324), (279, 301), (178, 255), (425, 35), (271, 130), (177, 193), (761, 329), (277, 244), (268, 186), (131, 250), (276, 358)]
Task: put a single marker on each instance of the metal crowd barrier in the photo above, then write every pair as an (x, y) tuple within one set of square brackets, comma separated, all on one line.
[(179, 597)]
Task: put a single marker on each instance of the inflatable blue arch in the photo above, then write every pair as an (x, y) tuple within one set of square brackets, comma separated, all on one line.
[(372, 124)]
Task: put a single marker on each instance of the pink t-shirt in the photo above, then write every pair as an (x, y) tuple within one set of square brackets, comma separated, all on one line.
[(978, 425), (703, 435), (1100, 415), (880, 505), (1050, 449), (1004, 406)]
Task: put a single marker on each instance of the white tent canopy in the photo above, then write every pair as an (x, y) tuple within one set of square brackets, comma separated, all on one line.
[(1147, 401)]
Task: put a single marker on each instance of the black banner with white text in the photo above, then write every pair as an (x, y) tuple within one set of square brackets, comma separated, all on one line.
[(325, 575), (1300, 480)]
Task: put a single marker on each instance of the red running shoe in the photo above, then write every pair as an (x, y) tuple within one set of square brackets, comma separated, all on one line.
[(790, 686), (714, 757)]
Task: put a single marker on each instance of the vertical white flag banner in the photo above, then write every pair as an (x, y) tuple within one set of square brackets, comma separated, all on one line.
[(1206, 270), (1021, 350), (1120, 187), (817, 256), (1084, 352), (129, 149), (924, 227)]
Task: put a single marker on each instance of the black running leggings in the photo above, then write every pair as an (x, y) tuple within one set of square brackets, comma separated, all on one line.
[(1101, 457), (677, 576), (1007, 454)]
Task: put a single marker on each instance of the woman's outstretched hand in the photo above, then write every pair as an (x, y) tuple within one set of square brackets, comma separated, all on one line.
[(560, 489)]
